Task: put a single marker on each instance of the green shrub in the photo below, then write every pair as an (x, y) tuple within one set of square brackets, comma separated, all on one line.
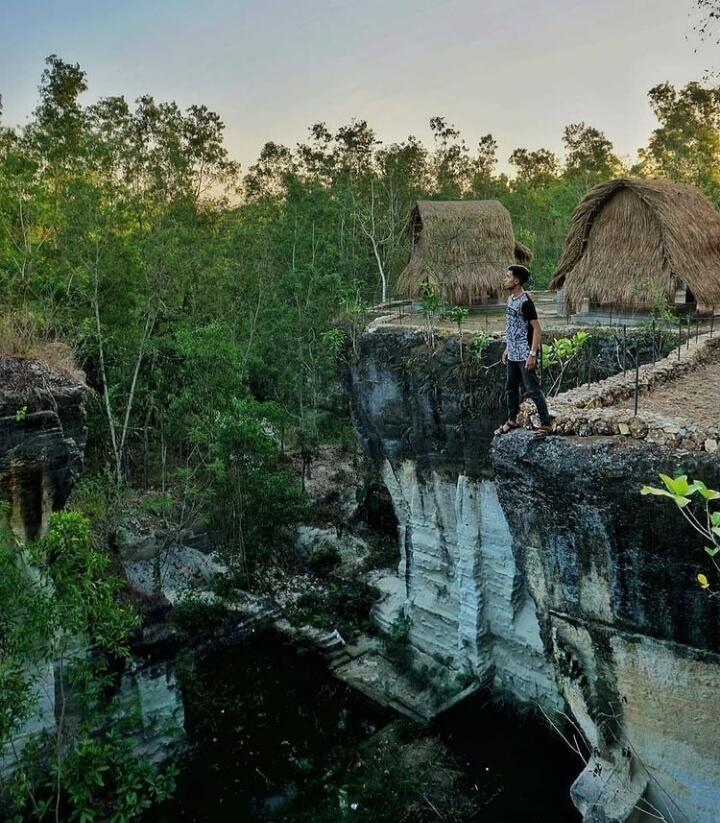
[(400, 774), (252, 502), (59, 598), (101, 779), (324, 559), (344, 606), (194, 616), (396, 643), (159, 504), (383, 553)]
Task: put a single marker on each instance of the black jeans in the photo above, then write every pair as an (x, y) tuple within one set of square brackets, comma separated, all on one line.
[(518, 375)]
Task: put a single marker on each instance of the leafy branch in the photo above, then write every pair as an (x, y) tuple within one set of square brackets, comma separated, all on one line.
[(700, 518), (558, 355)]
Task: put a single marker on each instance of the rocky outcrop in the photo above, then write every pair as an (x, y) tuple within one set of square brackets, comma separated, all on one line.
[(539, 567), (42, 439), (464, 594), (634, 642)]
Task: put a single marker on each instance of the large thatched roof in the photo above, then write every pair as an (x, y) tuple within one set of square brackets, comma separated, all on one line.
[(631, 241), (465, 246)]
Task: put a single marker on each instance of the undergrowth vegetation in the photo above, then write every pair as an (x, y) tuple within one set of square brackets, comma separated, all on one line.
[(401, 773), (343, 605)]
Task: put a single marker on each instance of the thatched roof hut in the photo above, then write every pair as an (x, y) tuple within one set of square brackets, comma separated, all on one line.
[(465, 246), (633, 241)]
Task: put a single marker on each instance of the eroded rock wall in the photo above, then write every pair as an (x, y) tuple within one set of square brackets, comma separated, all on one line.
[(539, 566), (42, 440), (634, 641), (464, 594), (427, 422)]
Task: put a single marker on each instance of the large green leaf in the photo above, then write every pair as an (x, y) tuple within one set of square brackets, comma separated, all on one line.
[(678, 485), (678, 499), (707, 494)]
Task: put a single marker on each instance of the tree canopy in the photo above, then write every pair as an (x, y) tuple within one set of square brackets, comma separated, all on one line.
[(193, 293)]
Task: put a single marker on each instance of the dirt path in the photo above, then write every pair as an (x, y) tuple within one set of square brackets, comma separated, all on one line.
[(695, 396)]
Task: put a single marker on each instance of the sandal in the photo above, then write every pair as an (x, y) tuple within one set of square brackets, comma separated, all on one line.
[(541, 432), (506, 427)]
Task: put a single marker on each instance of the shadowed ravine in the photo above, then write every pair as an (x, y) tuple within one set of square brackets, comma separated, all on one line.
[(267, 723)]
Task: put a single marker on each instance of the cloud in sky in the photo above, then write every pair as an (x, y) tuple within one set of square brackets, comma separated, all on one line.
[(519, 69)]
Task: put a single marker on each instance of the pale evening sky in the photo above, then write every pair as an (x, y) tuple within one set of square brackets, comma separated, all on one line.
[(520, 69)]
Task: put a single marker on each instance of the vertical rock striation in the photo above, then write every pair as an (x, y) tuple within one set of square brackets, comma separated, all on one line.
[(635, 643), (539, 567), (464, 594)]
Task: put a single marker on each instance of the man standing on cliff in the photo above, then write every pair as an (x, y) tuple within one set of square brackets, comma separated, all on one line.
[(523, 341)]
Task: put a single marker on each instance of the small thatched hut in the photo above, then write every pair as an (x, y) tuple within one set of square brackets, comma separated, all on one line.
[(634, 241), (464, 246)]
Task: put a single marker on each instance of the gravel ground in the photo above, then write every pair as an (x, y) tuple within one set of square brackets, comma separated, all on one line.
[(695, 396)]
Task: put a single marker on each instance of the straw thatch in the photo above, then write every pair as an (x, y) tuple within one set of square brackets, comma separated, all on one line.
[(633, 241), (464, 246)]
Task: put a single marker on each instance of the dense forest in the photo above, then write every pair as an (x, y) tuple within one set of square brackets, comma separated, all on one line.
[(203, 302)]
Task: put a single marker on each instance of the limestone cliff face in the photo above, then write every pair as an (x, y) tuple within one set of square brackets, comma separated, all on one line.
[(42, 439), (539, 566), (426, 420), (633, 639)]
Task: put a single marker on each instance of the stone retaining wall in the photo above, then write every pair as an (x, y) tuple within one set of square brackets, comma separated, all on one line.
[(593, 410)]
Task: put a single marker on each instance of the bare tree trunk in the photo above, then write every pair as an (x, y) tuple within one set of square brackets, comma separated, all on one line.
[(146, 444), (163, 457), (370, 231), (383, 278), (118, 446), (106, 392), (149, 323)]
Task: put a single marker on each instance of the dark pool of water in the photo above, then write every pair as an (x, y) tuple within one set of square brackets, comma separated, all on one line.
[(266, 721), (514, 758)]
